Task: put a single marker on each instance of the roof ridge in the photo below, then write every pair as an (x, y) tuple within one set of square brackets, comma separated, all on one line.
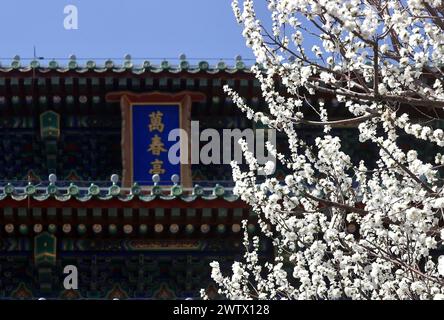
[(128, 64)]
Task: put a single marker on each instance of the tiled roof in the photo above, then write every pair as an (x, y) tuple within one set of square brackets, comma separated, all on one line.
[(83, 194), (127, 65)]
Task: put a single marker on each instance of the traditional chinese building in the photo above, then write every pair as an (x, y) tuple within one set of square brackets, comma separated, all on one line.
[(85, 181), (85, 178)]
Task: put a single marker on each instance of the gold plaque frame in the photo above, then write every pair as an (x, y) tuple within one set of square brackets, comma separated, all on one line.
[(129, 100)]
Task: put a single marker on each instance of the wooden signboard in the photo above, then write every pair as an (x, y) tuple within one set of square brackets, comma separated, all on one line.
[(147, 121)]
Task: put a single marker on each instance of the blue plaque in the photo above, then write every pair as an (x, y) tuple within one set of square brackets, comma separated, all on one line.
[(151, 124)]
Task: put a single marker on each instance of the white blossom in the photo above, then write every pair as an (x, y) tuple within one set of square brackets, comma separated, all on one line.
[(341, 230)]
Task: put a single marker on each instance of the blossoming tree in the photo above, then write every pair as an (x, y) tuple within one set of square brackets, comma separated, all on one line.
[(341, 230)]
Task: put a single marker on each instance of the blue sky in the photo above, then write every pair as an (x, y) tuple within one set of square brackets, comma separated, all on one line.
[(113, 28)]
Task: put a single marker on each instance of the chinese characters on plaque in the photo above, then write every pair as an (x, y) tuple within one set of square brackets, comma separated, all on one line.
[(151, 126), (156, 145)]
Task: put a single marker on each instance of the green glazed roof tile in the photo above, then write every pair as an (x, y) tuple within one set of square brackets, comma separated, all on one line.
[(73, 191), (82, 67)]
